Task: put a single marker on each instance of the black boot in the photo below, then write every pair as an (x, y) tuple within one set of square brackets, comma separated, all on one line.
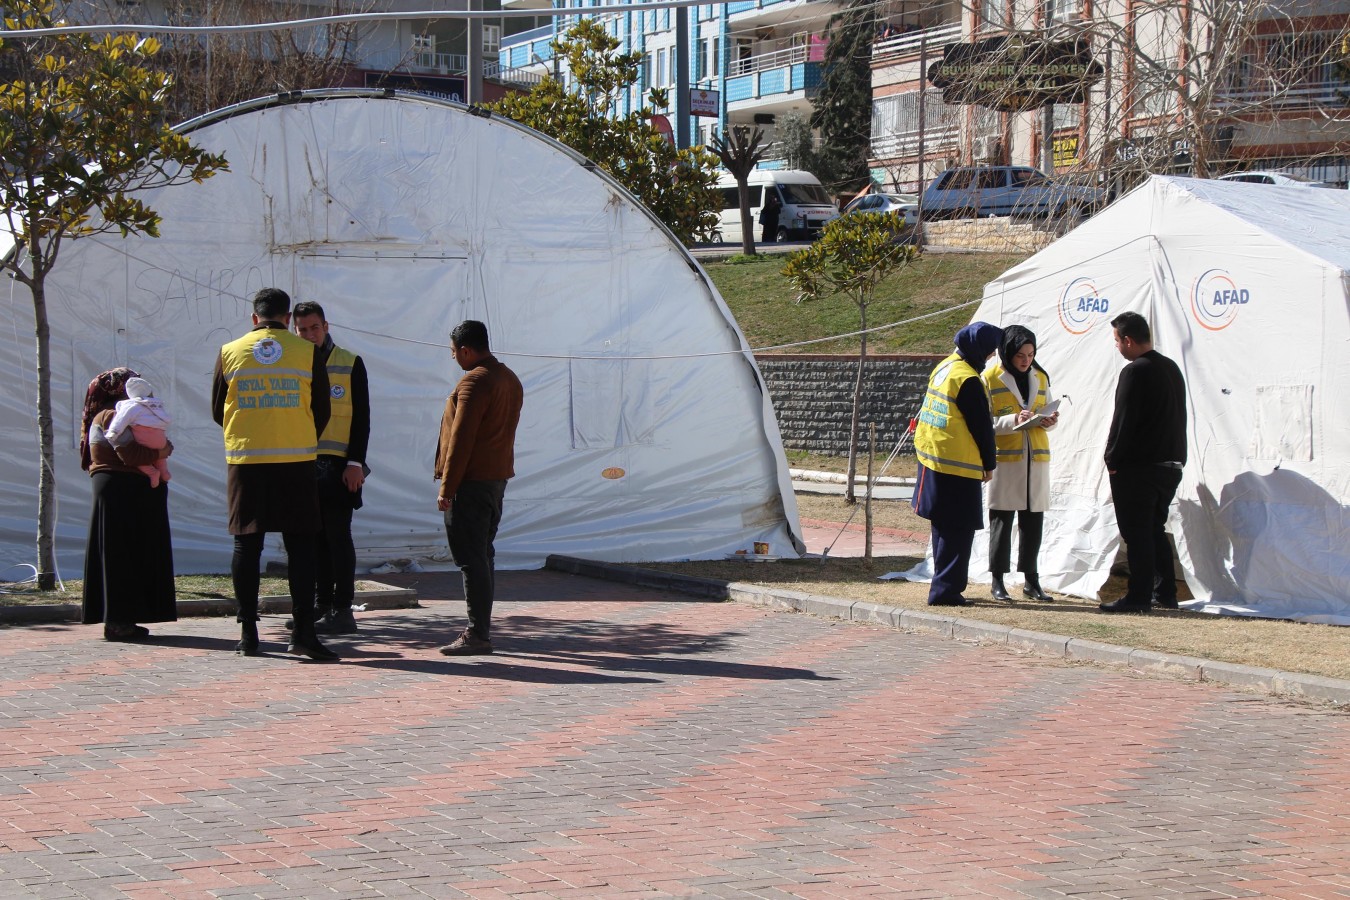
[(304, 641), (339, 621), (248, 643), (1031, 589), (997, 590)]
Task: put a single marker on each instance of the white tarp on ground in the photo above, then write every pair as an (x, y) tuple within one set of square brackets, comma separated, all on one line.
[(1246, 288), (647, 433)]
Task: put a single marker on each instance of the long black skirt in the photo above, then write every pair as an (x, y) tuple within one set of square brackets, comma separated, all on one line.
[(128, 562)]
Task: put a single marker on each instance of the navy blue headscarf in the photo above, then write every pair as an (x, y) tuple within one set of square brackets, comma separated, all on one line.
[(976, 341)]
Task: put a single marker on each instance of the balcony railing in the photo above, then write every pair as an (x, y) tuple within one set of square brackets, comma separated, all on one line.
[(778, 59), (458, 64), (908, 44), (900, 145), (444, 63), (526, 77)]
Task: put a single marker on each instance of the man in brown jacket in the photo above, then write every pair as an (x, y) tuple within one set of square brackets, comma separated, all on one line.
[(474, 458)]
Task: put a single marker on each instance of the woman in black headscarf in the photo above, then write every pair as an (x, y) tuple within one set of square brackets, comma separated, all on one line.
[(1018, 390), (954, 442), (128, 562)]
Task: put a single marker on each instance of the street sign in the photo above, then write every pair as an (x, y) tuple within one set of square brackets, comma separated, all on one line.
[(704, 103)]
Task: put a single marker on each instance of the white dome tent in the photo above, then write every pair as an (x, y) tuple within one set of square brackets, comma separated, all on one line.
[(647, 433), (1247, 287)]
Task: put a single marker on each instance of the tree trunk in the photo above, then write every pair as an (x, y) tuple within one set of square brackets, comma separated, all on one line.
[(747, 223), (850, 496), (46, 540)]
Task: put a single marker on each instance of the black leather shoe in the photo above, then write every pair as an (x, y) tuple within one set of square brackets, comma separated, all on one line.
[(340, 621), (312, 648), (997, 590), (1166, 604), (321, 614), (1125, 605), (248, 640), (949, 601), (1031, 589)]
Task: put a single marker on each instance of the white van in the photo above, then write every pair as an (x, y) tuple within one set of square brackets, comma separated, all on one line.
[(807, 208)]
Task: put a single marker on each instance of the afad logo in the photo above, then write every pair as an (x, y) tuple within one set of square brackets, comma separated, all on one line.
[(1081, 306), (1215, 299)]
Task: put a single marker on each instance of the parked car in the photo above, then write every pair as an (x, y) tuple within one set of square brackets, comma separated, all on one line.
[(1019, 191), (1283, 179), (906, 206)]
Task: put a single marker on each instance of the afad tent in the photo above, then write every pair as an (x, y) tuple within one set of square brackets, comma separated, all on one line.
[(647, 433), (1246, 288)]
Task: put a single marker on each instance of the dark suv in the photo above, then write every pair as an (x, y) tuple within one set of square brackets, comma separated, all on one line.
[(1019, 191)]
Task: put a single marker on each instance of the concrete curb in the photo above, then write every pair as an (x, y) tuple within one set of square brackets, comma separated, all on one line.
[(1271, 681), (386, 596), (842, 478)]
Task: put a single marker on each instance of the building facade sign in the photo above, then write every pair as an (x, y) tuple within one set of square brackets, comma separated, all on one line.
[(1016, 72)]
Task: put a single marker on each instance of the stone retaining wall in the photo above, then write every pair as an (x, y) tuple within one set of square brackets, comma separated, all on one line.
[(813, 397), (995, 234)]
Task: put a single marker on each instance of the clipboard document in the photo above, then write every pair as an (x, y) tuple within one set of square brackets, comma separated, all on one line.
[(1044, 412)]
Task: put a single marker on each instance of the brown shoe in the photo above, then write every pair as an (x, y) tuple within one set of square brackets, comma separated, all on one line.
[(467, 644)]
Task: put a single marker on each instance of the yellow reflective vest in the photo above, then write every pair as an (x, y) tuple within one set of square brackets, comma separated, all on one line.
[(1004, 403), (269, 374), (942, 441), (338, 432)]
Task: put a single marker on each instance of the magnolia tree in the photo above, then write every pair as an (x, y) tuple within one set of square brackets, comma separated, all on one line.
[(82, 126), (854, 254)]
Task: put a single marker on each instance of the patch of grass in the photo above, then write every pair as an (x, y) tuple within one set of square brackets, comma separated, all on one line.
[(903, 466), (189, 587), (765, 305)]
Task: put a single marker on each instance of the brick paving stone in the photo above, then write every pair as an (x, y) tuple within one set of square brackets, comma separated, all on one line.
[(625, 742)]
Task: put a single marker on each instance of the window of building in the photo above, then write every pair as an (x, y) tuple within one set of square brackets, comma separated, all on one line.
[(1153, 95), (1066, 116), (895, 125), (1063, 10), (658, 77), (993, 13), (492, 38)]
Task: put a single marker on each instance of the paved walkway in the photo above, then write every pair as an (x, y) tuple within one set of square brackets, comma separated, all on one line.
[(627, 742)]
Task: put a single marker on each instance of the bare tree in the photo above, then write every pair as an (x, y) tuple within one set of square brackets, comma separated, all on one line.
[(1190, 86), (740, 150), (218, 70)]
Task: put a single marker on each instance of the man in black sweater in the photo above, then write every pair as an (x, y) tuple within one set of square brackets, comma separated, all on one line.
[(1144, 455)]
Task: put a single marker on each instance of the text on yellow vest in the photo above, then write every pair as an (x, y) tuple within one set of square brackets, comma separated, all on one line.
[(269, 374), (942, 441)]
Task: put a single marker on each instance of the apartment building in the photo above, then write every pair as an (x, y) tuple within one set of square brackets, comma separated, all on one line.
[(1197, 87), (755, 61)]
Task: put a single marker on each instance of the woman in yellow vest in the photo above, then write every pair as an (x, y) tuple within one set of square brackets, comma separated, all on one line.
[(954, 442), (1018, 389)]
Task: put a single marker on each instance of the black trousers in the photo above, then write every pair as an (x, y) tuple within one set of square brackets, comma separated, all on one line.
[(244, 571), (471, 527), (1031, 525), (1141, 496), (335, 560), (951, 562)]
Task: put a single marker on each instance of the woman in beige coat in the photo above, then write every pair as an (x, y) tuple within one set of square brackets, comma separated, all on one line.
[(1018, 389)]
